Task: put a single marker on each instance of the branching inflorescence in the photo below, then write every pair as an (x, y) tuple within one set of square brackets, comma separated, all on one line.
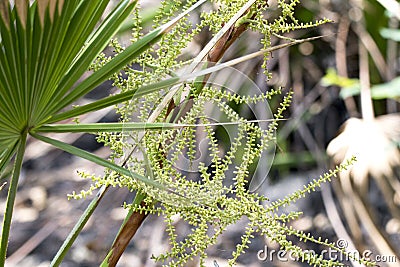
[(208, 197)]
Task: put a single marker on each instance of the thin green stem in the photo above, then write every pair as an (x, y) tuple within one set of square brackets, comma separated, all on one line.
[(6, 157), (11, 198), (104, 127), (78, 228), (100, 161)]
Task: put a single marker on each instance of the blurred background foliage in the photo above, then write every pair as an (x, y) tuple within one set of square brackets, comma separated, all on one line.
[(327, 77)]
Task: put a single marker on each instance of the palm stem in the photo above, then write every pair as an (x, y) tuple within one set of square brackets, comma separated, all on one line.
[(131, 224), (11, 197)]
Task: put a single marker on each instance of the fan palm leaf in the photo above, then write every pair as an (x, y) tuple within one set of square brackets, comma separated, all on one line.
[(45, 48)]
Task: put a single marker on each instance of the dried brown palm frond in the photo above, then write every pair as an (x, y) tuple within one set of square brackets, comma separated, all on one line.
[(374, 141)]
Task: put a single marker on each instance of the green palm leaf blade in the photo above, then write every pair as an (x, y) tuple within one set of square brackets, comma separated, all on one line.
[(8, 56), (67, 39), (93, 43), (94, 46), (115, 99), (119, 61), (100, 161), (149, 88), (44, 50), (41, 43), (104, 127)]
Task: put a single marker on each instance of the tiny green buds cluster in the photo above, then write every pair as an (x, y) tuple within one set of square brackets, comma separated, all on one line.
[(207, 187)]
